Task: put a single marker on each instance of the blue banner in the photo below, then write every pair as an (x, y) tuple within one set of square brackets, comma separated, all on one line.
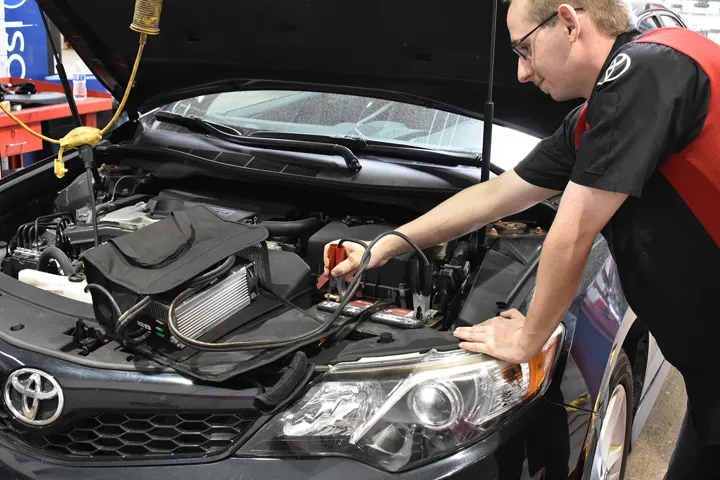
[(27, 47)]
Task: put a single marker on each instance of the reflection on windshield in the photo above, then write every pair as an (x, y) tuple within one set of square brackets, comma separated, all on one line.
[(338, 115)]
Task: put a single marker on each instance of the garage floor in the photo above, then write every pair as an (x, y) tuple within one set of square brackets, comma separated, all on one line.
[(651, 454)]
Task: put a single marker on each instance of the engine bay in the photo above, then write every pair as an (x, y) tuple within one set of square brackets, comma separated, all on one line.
[(173, 273)]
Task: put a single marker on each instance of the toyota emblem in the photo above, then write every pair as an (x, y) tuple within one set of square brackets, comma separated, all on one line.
[(617, 67), (33, 396)]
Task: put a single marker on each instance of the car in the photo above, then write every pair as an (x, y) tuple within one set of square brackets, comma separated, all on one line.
[(650, 16), (164, 311)]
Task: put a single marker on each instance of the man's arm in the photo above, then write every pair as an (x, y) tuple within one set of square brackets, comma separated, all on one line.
[(470, 210), (583, 213), (466, 211), (636, 121)]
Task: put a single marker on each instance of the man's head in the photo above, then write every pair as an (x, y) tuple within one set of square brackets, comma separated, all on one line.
[(569, 42)]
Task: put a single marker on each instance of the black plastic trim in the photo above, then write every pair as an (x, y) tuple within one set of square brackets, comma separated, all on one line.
[(45, 303)]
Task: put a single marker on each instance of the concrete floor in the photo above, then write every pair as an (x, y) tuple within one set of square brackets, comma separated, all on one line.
[(651, 454)]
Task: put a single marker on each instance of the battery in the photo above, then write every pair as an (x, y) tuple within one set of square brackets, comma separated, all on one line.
[(391, 316)]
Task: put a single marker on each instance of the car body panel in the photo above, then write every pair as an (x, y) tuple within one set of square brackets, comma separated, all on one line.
[(598, 322)]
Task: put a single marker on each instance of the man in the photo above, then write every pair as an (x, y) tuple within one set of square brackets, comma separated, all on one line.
[(639, 162)]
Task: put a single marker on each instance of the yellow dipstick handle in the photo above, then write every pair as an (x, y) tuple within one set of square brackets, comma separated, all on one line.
[(79, 136)]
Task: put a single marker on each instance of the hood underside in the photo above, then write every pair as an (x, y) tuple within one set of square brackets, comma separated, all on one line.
[(420, 51)]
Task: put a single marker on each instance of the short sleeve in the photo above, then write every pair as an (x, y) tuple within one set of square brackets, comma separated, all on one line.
[(550, 163), (650, 102)]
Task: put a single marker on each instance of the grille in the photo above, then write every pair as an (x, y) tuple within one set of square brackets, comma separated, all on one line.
[(137, 434), (248, 161), (172, 128), (167, 127), (302, 171), (209, 154), (235, 158), (265, 164)]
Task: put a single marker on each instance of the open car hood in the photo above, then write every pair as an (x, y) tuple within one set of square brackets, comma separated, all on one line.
[(417, 51)]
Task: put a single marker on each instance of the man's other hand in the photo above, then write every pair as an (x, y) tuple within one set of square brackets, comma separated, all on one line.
[(501, 337)]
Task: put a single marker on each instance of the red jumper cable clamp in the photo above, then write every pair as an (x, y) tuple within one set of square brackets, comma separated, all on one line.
[(336, 255)]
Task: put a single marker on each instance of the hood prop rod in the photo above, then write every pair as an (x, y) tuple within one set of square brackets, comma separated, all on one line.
[(93, 177), (489, 114), (61, 72)]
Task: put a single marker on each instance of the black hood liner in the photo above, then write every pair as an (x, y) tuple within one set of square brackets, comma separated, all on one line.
[(419, 51)]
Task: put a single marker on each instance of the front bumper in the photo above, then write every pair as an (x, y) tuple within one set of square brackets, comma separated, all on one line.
[(535, 444), (535, 440), (496, 457)]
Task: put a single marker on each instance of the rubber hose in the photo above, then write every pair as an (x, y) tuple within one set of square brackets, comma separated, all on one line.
[(113, 304), (291, 228), (59, 256)]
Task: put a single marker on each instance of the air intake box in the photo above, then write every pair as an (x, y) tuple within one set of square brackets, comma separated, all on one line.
[(394, 275)]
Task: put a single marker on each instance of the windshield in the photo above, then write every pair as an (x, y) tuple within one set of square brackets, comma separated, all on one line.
[(347, 115)]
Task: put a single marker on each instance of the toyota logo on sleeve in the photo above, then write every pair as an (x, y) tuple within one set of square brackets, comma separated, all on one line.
[(617, 68), (33, 396)]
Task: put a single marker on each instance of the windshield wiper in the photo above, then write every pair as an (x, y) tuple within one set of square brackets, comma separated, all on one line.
[(363, 144), (230, 134), (345, 146)]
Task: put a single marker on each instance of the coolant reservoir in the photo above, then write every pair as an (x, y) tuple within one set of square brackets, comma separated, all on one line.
[(57, 284)]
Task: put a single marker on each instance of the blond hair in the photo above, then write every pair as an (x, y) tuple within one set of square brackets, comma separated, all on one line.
[(612, 17)]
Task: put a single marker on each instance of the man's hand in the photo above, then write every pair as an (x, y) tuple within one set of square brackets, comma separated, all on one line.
[(502, 337), (349, 266)]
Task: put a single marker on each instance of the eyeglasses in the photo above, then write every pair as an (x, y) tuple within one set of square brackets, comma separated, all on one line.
[(516, 44)]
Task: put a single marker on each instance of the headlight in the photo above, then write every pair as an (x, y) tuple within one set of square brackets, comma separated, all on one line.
[(395, 412)]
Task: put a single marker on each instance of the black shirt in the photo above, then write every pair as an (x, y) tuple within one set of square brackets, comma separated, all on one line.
[(650, 101)]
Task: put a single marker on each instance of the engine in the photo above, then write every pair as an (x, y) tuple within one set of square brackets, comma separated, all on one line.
[(177, 268)]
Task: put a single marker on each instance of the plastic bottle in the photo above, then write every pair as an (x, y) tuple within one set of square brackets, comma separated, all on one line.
[(79, 83), (57, 284)]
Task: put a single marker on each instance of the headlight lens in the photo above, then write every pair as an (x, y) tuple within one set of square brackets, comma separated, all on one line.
[(395, 412)]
